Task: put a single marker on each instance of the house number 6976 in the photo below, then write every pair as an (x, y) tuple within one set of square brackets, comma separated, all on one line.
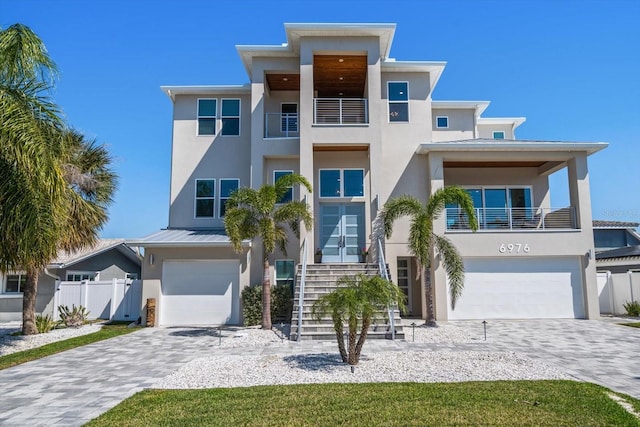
[(514, 248)]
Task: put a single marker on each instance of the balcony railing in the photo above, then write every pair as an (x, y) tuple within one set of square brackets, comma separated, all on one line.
[(281, 125), (497, 219), (340, 111)]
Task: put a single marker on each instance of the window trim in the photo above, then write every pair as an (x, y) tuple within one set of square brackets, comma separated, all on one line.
[(196, 198), (231, 117), (342, 196), (389, 102), (273, 176), (220, 198), (442, 127), (95, 274), (198, 117), (408, 277), (21, 282), (498, 131)]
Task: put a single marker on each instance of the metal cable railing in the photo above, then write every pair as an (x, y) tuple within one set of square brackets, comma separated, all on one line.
[(534, 218)]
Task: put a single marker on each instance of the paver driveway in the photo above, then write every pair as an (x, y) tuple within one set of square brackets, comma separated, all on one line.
[(73, 387)]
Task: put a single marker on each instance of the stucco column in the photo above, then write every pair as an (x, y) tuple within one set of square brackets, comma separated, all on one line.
[(438, 275), (580, 197), (306, 142), (257, 130)]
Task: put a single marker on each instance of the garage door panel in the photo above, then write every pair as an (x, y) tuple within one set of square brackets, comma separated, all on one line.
[(200, 292), (520, 288)]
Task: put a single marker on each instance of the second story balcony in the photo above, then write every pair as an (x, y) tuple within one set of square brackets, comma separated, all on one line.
[(340, 111), (281, 125), (514, 219)]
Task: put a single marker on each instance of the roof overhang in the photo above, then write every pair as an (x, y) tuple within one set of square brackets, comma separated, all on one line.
[(118, 245), (172, 91), (503, 145), (511, 121), (181, 238), (434, 68), (479, 106)]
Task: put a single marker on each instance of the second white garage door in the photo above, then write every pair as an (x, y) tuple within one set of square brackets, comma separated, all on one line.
[(200, 292), (520, 288)]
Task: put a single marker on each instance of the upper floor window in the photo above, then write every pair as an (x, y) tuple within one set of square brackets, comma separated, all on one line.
[(79, 276), (207, 110), (205, 198), (442, 122), (341, 182), (227, 187), (398, 101), (230, 117), (498, 135), (14, 283), (288, 196)]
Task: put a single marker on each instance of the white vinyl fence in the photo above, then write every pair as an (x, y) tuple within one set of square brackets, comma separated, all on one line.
[(117, 299), (616, 289)]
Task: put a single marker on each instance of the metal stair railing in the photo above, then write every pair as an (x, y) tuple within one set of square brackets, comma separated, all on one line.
[(303, 275), (382, 267)]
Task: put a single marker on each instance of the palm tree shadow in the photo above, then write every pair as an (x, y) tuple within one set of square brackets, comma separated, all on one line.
[(318, 362)]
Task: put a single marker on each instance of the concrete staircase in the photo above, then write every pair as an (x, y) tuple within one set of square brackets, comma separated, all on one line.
[(320, 280)]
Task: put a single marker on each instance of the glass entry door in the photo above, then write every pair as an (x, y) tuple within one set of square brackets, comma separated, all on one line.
[(341, 232)]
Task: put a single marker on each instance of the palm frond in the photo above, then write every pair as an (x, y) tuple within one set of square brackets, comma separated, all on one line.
[(398, 207), (453, 265), (283, 184), (454, 196), (24, 55)]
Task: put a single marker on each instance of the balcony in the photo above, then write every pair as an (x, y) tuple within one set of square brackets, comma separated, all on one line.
[(340, 111), (518, 219), (281, 125)]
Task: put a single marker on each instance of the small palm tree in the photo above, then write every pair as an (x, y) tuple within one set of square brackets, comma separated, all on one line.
[(257, 213), (357, 301), (422, 239)]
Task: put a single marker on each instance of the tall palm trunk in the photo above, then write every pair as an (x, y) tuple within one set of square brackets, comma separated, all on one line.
[(29, 303), (353, 334), (337, 326), (266, 296), (428, 290), (366, 322)]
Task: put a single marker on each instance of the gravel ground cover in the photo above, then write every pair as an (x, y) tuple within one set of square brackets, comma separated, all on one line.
[(380, 366), (14, 343)]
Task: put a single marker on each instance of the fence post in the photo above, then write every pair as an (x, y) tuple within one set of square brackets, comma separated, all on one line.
[(85, 292), (114, 293), (56, 299)]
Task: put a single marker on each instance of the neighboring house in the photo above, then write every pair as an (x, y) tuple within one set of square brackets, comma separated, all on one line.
[(331, 105), (108, 259), (617, 245)]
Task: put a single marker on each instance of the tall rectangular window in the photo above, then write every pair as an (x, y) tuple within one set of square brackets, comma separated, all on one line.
[(227, 187), (205, 198), (285, 272), (353, 182), (288, 196), (442, 122), (398, 93), (14, 283), (230, 117), (498, 135), (207, 109)]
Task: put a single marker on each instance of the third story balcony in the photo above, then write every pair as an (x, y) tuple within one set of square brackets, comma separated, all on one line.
[(340, 111), (514, 219)]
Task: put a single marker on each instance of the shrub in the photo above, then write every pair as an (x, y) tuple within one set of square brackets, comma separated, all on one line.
[(44, 324), (252, 305), (75, 317), (632, 308), (281, 304)]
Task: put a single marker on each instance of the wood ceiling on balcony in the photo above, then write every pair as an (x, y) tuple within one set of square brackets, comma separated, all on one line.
[(339, 76), (283, 82)]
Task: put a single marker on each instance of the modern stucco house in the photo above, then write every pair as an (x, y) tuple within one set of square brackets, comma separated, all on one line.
[(108, 259), (332, 105)]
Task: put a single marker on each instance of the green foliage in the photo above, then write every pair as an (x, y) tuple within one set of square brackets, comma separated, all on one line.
[(632, 308), (281, 304), (252, 305), (357, 302), (498, 403), (45, 323), (74, 318)]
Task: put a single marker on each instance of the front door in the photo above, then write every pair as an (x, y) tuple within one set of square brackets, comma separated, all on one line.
[(342, 232)]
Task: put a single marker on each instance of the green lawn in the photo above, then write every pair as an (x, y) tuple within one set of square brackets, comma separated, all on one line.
[(633, 324), (502, 403), (107, 331)]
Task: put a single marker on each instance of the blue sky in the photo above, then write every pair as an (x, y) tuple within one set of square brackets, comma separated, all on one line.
[(571, 67)]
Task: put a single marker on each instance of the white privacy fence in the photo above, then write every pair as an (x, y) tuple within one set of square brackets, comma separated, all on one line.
[(616, 289), (117, 299)]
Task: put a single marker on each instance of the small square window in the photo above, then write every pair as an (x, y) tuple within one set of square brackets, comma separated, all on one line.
[(498, 135), (442, 122), (288, 196), (14, 283)]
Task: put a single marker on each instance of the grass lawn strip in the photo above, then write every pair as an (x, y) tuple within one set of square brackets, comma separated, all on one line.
[(626, 405), (632, 324), (107, 331), (501, 403)]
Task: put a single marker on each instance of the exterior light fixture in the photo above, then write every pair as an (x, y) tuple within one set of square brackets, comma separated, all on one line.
[(341, 78), (340, 60), (285, 79)]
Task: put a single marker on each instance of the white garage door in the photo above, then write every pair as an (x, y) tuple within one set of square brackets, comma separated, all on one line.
[(200, 292), (520, 288)]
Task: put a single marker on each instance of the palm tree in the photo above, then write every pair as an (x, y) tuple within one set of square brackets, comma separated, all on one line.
[(54, 185), (357, 301), (258, 214), (422, 239)]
